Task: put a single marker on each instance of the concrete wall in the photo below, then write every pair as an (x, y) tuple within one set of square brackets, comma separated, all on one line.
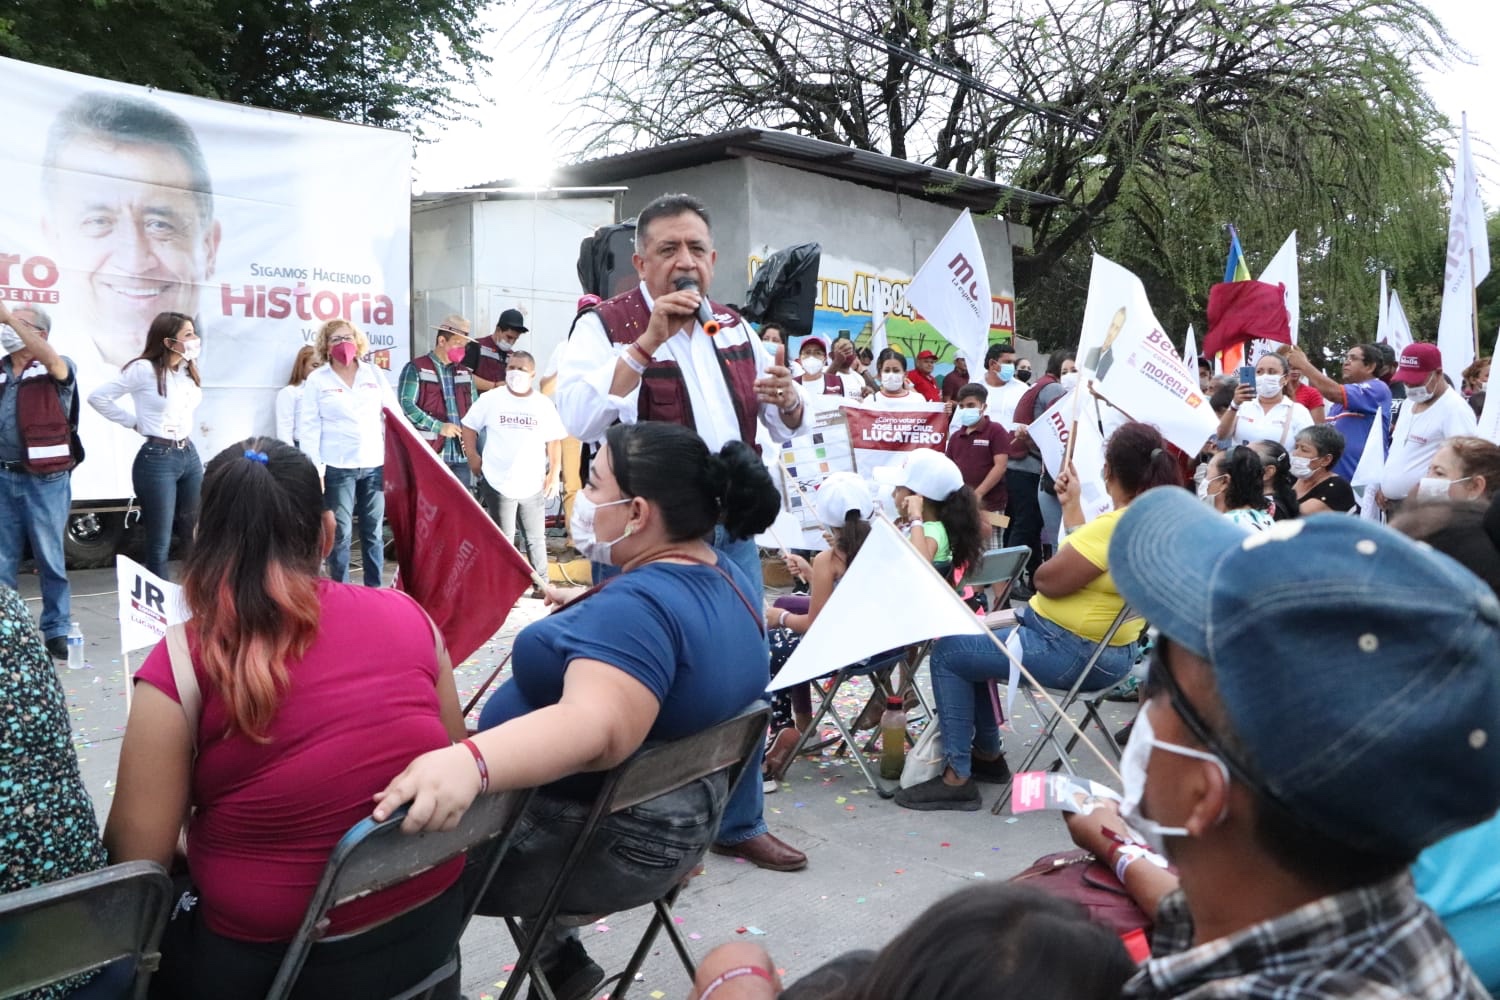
[(725, 189)]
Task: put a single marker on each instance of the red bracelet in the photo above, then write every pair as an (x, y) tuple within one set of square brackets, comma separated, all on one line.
[(484, 769), (743, 970)]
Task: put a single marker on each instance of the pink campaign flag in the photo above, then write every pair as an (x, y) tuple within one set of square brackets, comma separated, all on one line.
[(452, 558)]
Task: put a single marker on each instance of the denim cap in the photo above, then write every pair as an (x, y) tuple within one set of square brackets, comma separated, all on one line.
[(1360, 669)]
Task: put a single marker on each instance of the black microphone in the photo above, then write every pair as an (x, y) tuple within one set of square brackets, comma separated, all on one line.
[(705, 314)]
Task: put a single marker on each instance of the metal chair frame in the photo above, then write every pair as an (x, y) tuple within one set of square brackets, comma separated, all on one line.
[(51, 932), (1051, 720), (996, 567), (376, 855), (649, 774)]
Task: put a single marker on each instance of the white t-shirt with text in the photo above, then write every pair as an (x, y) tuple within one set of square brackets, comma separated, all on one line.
[(517, 432), (1417, 438)]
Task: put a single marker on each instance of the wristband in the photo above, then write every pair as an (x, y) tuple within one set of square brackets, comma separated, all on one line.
[(630, 361), (1126, 854), (1234, 406), (781, 623), (484, 769), (744, 970)]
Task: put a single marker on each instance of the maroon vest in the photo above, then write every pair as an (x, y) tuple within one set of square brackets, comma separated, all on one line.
[(1026, 413), (430, 395), (492, 359), (664, 394), (46, 436)]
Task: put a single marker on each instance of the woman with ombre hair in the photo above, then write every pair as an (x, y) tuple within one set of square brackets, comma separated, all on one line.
[(277, 762)]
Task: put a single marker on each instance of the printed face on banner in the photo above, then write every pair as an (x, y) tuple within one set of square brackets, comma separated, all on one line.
[(850, 295), (125, 203), (1135, 366)]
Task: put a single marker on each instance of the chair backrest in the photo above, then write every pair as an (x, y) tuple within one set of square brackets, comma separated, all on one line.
[(65, 928), (655, 771), (376, 855), (997, 566)]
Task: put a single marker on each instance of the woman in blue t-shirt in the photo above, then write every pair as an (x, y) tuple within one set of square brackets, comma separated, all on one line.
[(672, 645)]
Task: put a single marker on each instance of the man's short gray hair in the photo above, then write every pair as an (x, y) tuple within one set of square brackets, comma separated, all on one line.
[(40, 318)]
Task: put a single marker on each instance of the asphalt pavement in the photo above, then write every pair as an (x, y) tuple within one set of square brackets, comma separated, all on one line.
[(873, 866)]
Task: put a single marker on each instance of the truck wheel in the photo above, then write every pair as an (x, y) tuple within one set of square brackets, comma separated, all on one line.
[(92, 539)]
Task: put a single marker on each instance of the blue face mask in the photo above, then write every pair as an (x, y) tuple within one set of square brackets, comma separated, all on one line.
[(1007, 372), (970, 416)]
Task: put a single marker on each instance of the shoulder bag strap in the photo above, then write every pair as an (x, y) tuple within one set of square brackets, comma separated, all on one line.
[(188, 694)]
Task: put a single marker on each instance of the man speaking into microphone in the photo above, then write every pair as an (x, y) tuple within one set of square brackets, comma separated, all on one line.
[(651, 354)]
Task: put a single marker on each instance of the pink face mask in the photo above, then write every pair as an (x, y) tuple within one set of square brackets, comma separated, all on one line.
[(455, 355), (343, 353)]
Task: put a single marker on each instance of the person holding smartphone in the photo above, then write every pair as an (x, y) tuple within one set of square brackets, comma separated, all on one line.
[(1260, 410)]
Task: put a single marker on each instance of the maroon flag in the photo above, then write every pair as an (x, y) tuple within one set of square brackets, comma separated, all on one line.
[(450, 556), (1240, 311)]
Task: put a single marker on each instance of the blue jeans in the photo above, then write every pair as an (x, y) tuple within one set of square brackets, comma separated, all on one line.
[(637, 855), (36, 508), (744, 817), (963, 665), (462, 471), (346, 491), (167, 482)]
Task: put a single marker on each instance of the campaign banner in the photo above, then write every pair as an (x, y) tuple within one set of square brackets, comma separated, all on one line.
[(124, 202), (148, 605), (1051, 432), (1134, 365), (952, 289), (840, 436)]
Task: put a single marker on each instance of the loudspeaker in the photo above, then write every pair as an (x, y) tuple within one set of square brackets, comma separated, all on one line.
[(785, 289), (604, 265)]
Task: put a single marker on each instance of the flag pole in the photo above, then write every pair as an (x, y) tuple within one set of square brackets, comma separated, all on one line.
[(487, 682), (1474, 303), (1073, 426), (1004, 649)]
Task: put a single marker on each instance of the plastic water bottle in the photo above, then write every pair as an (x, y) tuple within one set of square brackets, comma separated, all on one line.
[(893, 739), (75, 647)]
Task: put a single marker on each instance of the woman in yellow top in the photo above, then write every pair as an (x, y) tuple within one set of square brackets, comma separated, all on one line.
[(1074, 606)]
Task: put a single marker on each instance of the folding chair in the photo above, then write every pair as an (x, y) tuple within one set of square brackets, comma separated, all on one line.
[(374, 856), (76, 925), (995, 568), (1091, 703), (649, 774)]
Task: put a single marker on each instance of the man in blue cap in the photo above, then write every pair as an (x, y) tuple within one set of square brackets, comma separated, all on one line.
[(1304, 736)]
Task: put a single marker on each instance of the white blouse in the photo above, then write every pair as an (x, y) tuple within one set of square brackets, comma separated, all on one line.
[(341, 425), (153, 415)]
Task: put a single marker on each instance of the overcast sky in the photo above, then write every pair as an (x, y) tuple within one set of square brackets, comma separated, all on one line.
[(523, 105)]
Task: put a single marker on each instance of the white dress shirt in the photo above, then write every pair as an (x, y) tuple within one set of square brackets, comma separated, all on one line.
[(154, 415), (1281, 423), (587, 371), (288, 408), (342, 425)]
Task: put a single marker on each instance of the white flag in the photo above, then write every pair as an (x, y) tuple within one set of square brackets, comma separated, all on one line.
[(1398, 329), (1383, 314), (1283, 271), (952, 290), (1136, 367), (1050, 431), (1371, 468), (1489, 417), (1468, 262), (1190, 349), (878, 339), (148, 604), (866, 615)]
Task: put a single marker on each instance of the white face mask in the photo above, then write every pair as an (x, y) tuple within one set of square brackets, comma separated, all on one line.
[(10, 340), (1418, 393), (1133, 773), (1301, 467), (1203, 493), (1267, 386), (812, 364), (518, 382), (1431, 486), (1069, 380), (189, 351), (581, 526), (892, 381)]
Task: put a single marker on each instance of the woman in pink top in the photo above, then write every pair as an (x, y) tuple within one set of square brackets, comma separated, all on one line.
[(314, 694)]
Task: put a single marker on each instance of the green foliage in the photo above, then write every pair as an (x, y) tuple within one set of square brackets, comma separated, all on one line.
[(1156, 123), (381, 62)]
